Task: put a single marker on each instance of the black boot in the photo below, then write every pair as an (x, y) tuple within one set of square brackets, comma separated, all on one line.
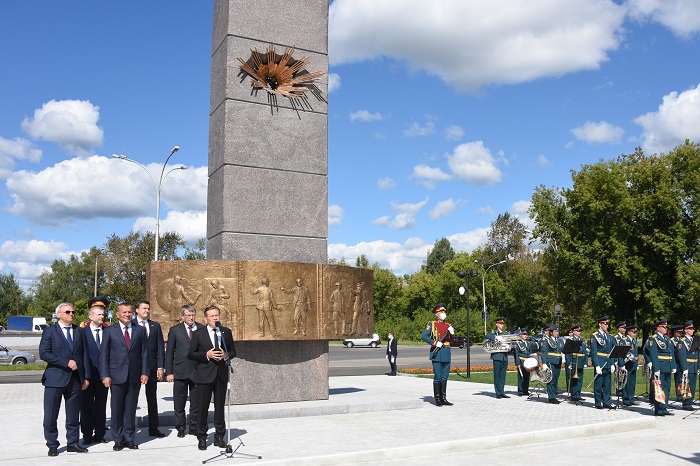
[(443, 391), (436, 394)]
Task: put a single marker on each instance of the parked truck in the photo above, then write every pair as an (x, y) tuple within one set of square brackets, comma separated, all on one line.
[(26, 323)]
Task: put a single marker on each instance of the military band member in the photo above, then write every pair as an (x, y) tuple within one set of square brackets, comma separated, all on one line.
[(631, 364), (688, 362), (438, 334), (677, 335), (601, 347), (567, 369), (523, 349), (576, 362), (551, 347), (620, 339), (660, 354), (500, 361)]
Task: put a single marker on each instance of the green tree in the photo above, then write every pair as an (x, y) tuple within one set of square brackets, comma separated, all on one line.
[(196, 253), (504, 239), (68, 281), (441, 253), (362, 262), (12, 299)]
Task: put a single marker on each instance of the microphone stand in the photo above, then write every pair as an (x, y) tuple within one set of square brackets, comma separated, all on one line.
[(229, 452)]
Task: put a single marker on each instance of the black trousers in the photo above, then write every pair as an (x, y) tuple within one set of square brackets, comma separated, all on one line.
[(152, 401), (123, 404), (181, 389), (93, 410), (205, 390), (52, 404)]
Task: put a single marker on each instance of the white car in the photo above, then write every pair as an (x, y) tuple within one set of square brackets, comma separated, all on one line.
[(372, 342)]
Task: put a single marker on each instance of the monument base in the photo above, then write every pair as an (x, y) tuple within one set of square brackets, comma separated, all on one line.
[(279, 371)]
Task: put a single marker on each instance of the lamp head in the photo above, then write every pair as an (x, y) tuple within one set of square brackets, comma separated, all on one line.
[(175, 149)]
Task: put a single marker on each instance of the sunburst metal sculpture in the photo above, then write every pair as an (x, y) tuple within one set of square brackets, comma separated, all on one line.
[(282, 75)]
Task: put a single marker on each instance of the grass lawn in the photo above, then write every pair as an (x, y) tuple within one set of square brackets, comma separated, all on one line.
[(23, 367)]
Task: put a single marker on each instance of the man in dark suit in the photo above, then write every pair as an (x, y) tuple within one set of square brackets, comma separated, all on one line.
[(93, 409), (391, 352), (156, 355), (212, 349), (124, 367), (179, 369), (66, 374)]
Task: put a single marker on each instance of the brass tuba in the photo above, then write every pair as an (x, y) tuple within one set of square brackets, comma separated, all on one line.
[(621, 377), (543, 374), (502, 343)]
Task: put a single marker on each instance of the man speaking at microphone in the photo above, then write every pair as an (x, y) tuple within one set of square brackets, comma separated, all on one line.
[(209, 347)]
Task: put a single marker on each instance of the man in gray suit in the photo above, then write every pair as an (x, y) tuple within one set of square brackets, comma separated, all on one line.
[(124, 367), (179, 369)]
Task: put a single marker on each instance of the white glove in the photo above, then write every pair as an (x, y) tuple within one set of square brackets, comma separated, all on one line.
[(598, 370), (673, 371), (387, 356), (657, 374), (570, 367), (393, 359), (438, 344), (614, 368), (685, 372), (545, 366), (649, 365), (451, 330)]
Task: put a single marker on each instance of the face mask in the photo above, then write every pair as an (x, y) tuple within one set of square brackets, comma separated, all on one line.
[(442, 315)]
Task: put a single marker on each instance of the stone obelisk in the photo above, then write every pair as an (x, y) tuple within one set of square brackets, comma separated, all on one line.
[(268, 179)]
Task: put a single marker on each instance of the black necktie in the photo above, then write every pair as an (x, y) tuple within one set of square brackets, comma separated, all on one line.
[(216, 339), (69, 338), (97, 336)]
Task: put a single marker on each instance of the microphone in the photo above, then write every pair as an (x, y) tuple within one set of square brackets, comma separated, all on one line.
[(218, 324)]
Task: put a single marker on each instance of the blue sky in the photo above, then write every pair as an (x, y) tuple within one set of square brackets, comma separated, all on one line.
[(442, 115)]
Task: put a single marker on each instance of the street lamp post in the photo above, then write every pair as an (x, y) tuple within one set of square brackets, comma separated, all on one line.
[(158, 187), (483, 287), (465, 291)]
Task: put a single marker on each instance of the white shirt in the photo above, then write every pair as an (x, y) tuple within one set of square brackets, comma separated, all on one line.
[(94, 330), (144, 323), (212, 336)]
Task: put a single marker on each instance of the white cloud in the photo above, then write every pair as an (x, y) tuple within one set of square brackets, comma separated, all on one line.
[(386, 183), (365, 115), (333, 82), (472, 44), (100, 187), (72, 124), (192, 225), (598, 132), (16, 149), (335, 215), (473, 162), (682, 17), (405, 216), (543, 161), (519, 209), (427, 176), (453, 133), (416, 130), (445, 208), (27, 259), (404, 258), (677, 119)]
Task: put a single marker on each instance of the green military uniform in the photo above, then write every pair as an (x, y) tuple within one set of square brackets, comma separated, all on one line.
[(523, 350), (575, 363), (551, 347), (660, 354), (438, 334), (631, 364), (688, 363), (500, 363), (601, 346)]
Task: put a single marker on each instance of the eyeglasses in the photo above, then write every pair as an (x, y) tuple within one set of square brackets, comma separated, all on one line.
[(690, 328), (663, 326), (69, 312), (631, 331), (605, 323)]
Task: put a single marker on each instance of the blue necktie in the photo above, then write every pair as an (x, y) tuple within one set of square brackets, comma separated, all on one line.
[(97, 337), (68, 337)]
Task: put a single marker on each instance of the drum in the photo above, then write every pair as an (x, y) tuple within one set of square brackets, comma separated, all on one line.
[(530, 364)]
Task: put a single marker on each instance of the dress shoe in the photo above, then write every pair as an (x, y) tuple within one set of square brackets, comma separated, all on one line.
[(181, 433), (202, 444), (598, 407), (668, 413), (87, 440), (219, 442), (118, 447), (192, 432), (156, 433), (132, 446), (608, 407), (554, 401), (76, 448), (100, 440), (505, 396), (53, 451), (688, 408)]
